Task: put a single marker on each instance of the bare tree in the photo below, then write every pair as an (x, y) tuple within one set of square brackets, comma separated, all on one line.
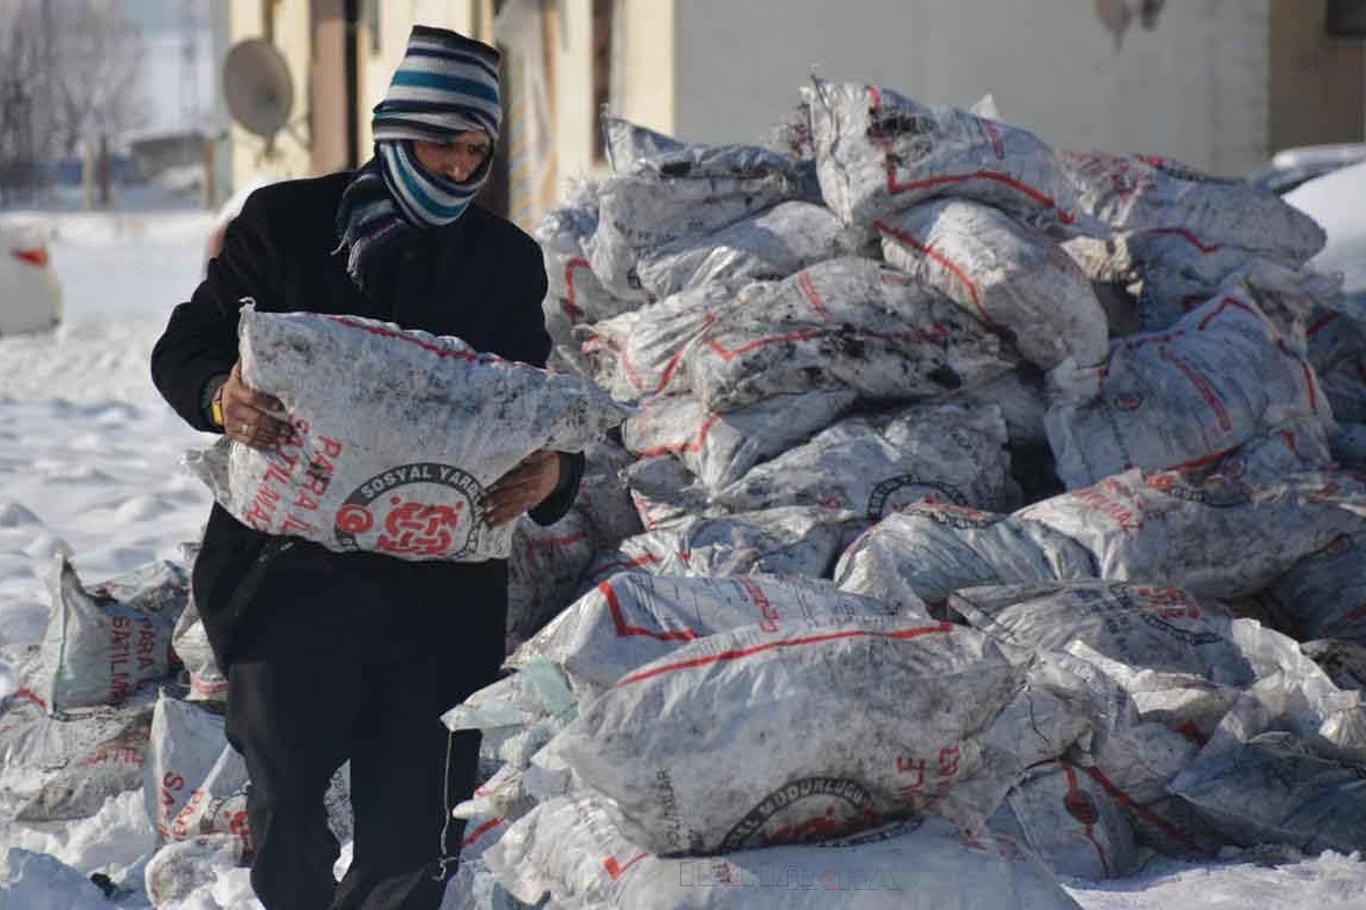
[(69, 73), (95, 87), (25, 129)]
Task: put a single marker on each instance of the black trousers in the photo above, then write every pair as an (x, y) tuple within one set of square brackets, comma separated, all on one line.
[(355, 657)]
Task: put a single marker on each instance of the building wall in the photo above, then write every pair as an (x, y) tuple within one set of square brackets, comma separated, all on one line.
[(287, 156), (1194, 87), (652, 91), (575, 117)]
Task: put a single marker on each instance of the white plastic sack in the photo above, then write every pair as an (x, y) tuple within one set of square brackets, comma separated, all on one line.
[(1220, 376), (180, 869), (1178, 277), (1137, 192), (194, 783), (603, 496), (1015, 280), (574, 294), (60, 769), (633, 618), (768, 246), (366, 468), (515, 703), (473, 886), (1344, 662), (1134, 752), (843, 324), (877, 152), (665, 493), (1070, 822), (1215, 537), (574, 850), (1337, 349), (1298, 447), (720, 448), (639, 354), (929, 550), (787, 541), (544, 571), (1144, 626), (640, 214), (574, 289), (751, 738), (1259, 780), (1296, 691), (101, 644), (1020, 396), (1324, 594), (877, 465), (190, 642), (637, 150)]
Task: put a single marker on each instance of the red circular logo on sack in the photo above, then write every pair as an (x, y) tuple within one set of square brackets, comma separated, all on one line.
[(424, 510)]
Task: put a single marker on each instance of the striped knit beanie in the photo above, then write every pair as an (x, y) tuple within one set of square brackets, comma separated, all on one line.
[(447, 84)]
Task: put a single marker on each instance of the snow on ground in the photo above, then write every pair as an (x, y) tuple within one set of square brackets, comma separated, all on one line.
[(89, 464), (88, 450)]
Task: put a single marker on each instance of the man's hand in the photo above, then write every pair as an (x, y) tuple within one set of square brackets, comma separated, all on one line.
[(250, 417), (523, 488)]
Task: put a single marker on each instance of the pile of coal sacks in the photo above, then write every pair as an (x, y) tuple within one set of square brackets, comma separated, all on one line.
[(123, 695), (986, 516)]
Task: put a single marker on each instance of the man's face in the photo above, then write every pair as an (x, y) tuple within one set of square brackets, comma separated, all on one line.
[(456, 158)]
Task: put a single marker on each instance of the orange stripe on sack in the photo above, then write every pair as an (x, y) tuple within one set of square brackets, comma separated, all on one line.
[(624, 630), (617, 870), (738, 653), (407, 339), (1142, 811), (893, 187), (1186, 235), (909, 239), (1088, 828), (678, 448), (481, 831), (571, 304), (1203, 388)]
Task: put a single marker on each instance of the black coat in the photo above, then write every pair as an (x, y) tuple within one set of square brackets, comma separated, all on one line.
[(481, 279)]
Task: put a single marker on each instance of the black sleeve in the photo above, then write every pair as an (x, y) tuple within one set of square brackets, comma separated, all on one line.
[(557, 504), (200, 341), (521, 334)]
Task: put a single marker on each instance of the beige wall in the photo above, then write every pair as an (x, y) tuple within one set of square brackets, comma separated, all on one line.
[(1193, 87), (575, 119), (287, 156), (328, 115), (651, 31)]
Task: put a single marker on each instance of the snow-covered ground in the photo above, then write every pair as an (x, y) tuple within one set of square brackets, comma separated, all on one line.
[(89, 463)]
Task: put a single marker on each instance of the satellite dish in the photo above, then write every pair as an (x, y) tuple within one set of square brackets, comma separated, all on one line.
[(258, 88)]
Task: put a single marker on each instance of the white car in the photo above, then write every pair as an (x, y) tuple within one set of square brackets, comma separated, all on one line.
[(1337, 201), (30, 294)]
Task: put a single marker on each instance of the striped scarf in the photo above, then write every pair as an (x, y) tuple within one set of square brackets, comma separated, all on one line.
[(447, 84)]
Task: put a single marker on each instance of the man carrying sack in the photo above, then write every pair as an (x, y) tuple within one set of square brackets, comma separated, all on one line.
[(329, 656)]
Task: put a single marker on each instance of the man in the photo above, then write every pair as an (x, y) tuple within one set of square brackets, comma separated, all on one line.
[(334, 657)]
